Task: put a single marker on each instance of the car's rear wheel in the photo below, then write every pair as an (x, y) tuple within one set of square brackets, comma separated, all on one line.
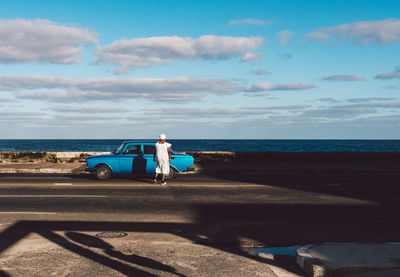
[(172, 174), (102, 172)]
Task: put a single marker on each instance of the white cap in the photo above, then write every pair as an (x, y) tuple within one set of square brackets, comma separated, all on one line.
[(163, 136)]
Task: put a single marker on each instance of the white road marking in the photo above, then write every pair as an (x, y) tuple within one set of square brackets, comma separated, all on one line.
[(63, 184), (26, 213), (50, 196)]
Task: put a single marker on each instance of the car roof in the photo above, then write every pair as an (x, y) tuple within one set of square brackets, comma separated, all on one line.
[(139, 142)]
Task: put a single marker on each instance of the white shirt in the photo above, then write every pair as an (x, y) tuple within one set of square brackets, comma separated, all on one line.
[(162, 151)]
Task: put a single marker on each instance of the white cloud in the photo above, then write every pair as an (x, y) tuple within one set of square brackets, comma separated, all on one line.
[(11, 118), (366, 100), (281, 119), (85, 119), (361, 33), (390, 75), (283, 108), (18, 114), (287, 86), (172, 116), (258, 94), (51, 96), (85, 96), (86, 109), (178, 90), (201, 114), (251, 56), (349, 111), (260, 72), (385, 105), (327, 99), (339, 77), (62, 89), (285, 36), (145, 52), (41, 40), (2, 99), (338, 112), (250, 21)]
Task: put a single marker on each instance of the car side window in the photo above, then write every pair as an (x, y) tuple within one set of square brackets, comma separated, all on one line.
[(149, 149), (132, 149)]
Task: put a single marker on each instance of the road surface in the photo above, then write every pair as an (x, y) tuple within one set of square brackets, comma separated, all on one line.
[(225, 214)]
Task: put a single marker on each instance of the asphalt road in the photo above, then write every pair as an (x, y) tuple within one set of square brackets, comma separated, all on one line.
[(228, 213), (271, 209)]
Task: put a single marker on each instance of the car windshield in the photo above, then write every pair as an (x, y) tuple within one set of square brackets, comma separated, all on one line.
[(119, 149)]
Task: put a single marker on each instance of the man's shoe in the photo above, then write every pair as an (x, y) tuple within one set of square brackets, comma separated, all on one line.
[(154, 181), (163, 183)]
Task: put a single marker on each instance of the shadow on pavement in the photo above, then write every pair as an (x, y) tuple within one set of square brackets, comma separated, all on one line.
[(3, 274), (101, 259), (75, 242), (377, 186), (79, 243), (108, 249)]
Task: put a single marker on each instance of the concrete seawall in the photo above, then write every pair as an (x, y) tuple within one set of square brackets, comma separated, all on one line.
[(44, 162), (45, 157), (74, 162)]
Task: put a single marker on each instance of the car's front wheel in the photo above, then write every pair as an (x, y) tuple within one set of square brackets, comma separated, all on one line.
[(102, 172)]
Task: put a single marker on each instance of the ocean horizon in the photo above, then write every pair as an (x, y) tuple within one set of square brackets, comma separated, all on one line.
[(247, 145)]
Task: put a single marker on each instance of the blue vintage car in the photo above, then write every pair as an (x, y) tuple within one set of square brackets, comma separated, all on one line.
[(137, 158)]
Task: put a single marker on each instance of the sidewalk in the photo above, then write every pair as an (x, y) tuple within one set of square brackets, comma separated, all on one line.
[(140, 254), (137, 254)]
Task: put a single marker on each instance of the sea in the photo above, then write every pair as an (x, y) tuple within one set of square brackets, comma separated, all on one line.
[(266, 145)]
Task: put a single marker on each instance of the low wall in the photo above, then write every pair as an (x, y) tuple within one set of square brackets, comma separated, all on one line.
[(45, 157), (216, 156)]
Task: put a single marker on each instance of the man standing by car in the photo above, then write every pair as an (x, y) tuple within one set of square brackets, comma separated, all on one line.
[(163, 155)]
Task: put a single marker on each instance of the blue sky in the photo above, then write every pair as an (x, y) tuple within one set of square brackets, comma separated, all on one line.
[(200, 69)]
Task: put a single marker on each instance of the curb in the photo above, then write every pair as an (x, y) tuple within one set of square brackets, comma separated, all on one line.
[(309, 264), (324, 260)]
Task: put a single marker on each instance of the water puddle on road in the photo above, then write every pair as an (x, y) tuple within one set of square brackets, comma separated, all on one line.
[(287, 250)]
